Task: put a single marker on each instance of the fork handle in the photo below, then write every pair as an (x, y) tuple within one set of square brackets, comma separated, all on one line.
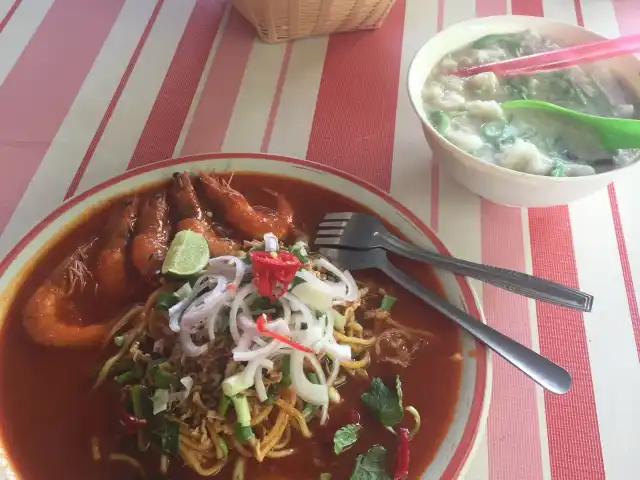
[(516, 282), (543, 371)]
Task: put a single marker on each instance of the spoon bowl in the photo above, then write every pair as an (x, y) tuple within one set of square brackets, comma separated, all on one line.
[(614, 133)]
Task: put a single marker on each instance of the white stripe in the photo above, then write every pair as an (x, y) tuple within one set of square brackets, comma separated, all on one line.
[(612, 352), (561, 10), (411, 153), (294, 118), (459, 226), (129, 118), (18, 31), (58, 167), (203, 80), (535, 345), (614, 362), (255, 97)]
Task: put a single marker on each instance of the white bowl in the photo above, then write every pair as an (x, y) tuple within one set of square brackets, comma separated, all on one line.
[(473, 399), (495, 183)]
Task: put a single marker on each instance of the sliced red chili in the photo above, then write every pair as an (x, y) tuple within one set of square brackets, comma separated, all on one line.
[(261, 326), (273, 272), (131, 424), (402, 455)]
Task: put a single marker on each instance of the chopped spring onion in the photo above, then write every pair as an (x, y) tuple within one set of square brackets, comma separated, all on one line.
[(439, 120), (387, 302), (127, 377), (286, 375), (162, 379), (119, 340), (270, 242), (243, 430), (300, 250), (166, 300), (183, 292), (235, 384), (136, 401), (223, 405)]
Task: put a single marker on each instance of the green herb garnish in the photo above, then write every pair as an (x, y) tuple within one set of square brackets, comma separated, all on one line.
[(165, 301), (387, 302), (371, 466), (345, 437), (384, 402)]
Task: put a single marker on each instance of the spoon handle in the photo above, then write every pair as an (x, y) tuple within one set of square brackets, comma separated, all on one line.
[(543, 371)]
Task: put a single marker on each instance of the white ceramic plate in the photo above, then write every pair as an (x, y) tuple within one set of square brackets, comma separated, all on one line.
[(472, 406)]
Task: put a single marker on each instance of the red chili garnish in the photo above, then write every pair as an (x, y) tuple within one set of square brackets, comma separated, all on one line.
[(273, 272), (131, 424), (402, 455), (261, 326)]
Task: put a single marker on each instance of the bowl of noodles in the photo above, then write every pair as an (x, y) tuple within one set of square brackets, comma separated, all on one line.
[(174, 323)]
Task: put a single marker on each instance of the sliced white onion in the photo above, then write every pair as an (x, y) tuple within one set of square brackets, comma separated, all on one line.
[(175, 312), (237, 304), (262, 352), (261, 390), (254, 366), (335, 290), (309, 392), (335, 370), (298, 306), (206, 303), (233, 273), (187, 383), (313, 296), (351, 294), (160, 400), (337, 351)]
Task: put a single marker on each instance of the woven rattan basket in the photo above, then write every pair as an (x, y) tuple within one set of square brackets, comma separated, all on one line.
[(282, 20)]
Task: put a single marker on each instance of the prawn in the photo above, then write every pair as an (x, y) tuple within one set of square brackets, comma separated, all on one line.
[(193, 217), (151, 242), (52, 318), (111, 267), (254, 222)]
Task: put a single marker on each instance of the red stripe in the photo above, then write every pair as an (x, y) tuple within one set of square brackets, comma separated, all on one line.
[(162, 130), (574, 439), (627, 13), (354, 123), (266, 140), (527, 7), (39, 90), (434, 217), (9, 14), (213, 113), (514, 447), (114, 101), (626, 266)]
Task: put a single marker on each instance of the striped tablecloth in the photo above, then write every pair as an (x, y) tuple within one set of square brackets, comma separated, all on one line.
[(90, 88)]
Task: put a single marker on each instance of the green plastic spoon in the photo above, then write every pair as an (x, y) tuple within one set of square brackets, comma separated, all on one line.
[(614, 132)]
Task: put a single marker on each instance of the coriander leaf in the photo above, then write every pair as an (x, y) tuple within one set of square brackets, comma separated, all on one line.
[(386, 403), (371, 466), (345, 437)]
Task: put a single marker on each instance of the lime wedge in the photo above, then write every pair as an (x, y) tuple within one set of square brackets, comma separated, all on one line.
[(187, 255)]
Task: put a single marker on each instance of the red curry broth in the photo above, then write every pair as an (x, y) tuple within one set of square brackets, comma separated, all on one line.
[(49, 412)]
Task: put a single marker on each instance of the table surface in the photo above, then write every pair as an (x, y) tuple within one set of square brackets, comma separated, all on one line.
[(90, 88)]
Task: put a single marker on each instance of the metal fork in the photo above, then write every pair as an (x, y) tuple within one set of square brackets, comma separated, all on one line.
[(362, 232), (543, 371)]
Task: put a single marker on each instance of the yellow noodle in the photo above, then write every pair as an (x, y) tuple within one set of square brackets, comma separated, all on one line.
[(289, 396), (191, 460), (121, 457), (95, 449), (264, 413), (415, 331), (357, 364), (284, 441), (202, 449), (240, 448), (295, 413), (353, 340), (215, 438), (280, 453)]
